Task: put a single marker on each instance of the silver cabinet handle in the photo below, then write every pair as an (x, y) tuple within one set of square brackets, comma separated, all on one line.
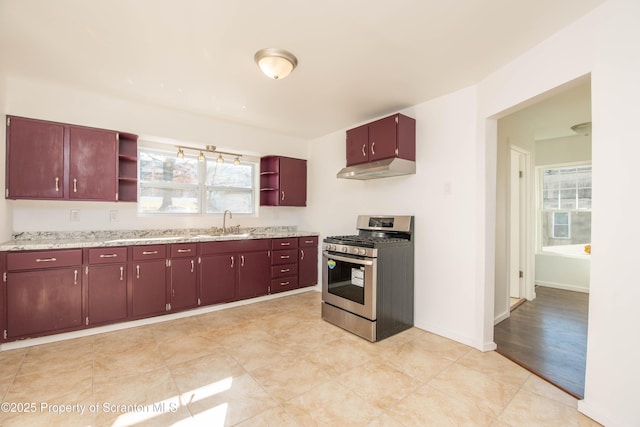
[(137, 271), (108, 255), (285, 244), (285, 270), (373, 148), (46, 259), (192, 265), (121, 273), (284, 283), (364, 154), (241, 260), (149, 252), (308, 242), (75, 277), (75, 185), (301, 254), (232, 262), (282, 195), (182, 251), (284, 257), (57, 184)]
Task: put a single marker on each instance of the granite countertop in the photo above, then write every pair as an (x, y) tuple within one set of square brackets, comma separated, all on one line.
[(96, 239)]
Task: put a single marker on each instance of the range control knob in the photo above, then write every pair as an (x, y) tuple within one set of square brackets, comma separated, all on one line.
[(362, 251), (330, 247), (344, 249)]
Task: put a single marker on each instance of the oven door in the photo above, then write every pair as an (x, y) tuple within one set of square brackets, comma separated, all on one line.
[(349, 283)]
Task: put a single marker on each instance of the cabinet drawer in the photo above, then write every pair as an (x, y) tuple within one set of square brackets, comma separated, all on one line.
[(284, 257), (229, 246), (43, 259), (149, 252), (107, 255), (183, 250), (288, 243), (284, 284), (283, 270), (307, 241)]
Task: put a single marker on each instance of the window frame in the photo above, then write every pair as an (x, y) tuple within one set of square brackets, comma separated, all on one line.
[(541, 211), (201, 188)]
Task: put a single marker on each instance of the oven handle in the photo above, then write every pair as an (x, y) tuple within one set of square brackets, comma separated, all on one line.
[(347, 259)]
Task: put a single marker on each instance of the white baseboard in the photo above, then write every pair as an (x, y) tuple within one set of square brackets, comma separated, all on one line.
[(499, 318), (563, 286)]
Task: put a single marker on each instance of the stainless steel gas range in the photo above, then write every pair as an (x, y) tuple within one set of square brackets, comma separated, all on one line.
[(367, 278)]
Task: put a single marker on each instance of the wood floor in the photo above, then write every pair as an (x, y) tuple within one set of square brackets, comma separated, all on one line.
[(548, 336)]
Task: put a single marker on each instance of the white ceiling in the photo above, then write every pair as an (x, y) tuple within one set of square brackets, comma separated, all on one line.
[(358, 59)]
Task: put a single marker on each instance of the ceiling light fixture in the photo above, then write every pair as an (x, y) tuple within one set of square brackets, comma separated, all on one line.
[(208, 149), (583, 129), (275, 63)]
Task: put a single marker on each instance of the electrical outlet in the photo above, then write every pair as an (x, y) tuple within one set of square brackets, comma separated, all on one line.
[(75, 215), (113, 216)]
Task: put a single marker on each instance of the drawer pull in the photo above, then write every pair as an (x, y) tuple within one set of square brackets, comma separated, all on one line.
[(182, 251), (309, 242), (285, 270), (108, 255), (285, 244), (46, 259), (284, 283), (149, 252), (284, 257)]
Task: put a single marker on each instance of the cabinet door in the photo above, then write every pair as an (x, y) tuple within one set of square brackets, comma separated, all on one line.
[(383, 139), (293, 182), (218, 279), (43, 301), (2, 305), (149, 292), (92, 164), (308, 266), (254, 274), (358, 145), (184, 283), (35, 159), (107, 293)]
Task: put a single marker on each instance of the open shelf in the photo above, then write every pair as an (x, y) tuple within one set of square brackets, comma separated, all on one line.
[(128, 168)]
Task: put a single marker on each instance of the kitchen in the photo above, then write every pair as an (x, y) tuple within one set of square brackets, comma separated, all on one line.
[(451, 189)]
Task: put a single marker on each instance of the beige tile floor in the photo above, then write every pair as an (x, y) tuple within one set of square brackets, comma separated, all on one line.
[(272, 363)]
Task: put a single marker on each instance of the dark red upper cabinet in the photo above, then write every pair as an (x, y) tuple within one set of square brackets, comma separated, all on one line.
[(92, 164), (47, 160), (283, 181), (35, 159), (393, 136)]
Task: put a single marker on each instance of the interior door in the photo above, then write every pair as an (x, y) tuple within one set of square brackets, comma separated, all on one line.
[(516, 235)]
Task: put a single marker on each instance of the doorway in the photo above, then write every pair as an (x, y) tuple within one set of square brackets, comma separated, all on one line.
[(545, 122)]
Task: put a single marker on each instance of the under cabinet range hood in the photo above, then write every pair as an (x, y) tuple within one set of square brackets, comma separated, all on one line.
[(379, 169)]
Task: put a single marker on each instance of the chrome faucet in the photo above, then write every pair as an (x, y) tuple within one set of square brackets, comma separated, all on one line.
[(224, 220)]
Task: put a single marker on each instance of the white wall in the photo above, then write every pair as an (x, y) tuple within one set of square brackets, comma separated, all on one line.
[(51, 102), (605, 43), (5, 205), (444, 222), (570, 273), (570, 149)]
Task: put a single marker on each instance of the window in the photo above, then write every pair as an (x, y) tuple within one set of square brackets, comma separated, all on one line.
[(169, 185), (565, 213)]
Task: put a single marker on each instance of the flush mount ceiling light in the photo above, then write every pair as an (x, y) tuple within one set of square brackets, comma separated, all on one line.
[(275, 63), (208, 149), (583, 129)]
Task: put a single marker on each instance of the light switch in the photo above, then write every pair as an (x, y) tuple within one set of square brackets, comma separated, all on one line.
[(75, 215)]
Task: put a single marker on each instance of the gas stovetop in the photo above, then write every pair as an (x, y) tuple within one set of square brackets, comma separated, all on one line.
[(364, 241)]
